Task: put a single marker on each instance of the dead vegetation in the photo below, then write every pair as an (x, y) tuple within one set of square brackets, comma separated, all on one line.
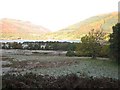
[(69, 82)]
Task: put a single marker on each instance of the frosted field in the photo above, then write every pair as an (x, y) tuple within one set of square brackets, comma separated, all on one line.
[(55, 63)]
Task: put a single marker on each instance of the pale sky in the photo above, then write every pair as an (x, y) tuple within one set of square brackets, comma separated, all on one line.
[(55, 14)]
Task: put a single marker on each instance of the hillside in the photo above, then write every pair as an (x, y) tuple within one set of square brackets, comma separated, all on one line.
[(17, 29), (76, 31)]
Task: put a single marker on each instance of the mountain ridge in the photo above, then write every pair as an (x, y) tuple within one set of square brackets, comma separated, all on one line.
[(17, 29), (72, 32), (76, 31)]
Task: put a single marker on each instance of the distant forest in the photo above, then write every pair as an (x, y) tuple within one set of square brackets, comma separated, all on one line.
[(64, 46)]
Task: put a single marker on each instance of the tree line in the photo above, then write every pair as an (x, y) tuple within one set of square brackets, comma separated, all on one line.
[(64, 46)]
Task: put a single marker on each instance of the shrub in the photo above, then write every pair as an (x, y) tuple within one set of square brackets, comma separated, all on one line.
[(68, 82), (70, 53)]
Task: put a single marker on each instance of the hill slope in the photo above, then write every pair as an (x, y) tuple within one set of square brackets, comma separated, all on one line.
[(76, 31), (16, 29)]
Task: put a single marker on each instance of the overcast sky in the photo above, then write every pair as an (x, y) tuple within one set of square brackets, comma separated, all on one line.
[(55, 14)]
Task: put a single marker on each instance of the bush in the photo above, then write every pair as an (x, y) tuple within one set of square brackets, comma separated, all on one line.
[(69, 82), (70, 53)]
